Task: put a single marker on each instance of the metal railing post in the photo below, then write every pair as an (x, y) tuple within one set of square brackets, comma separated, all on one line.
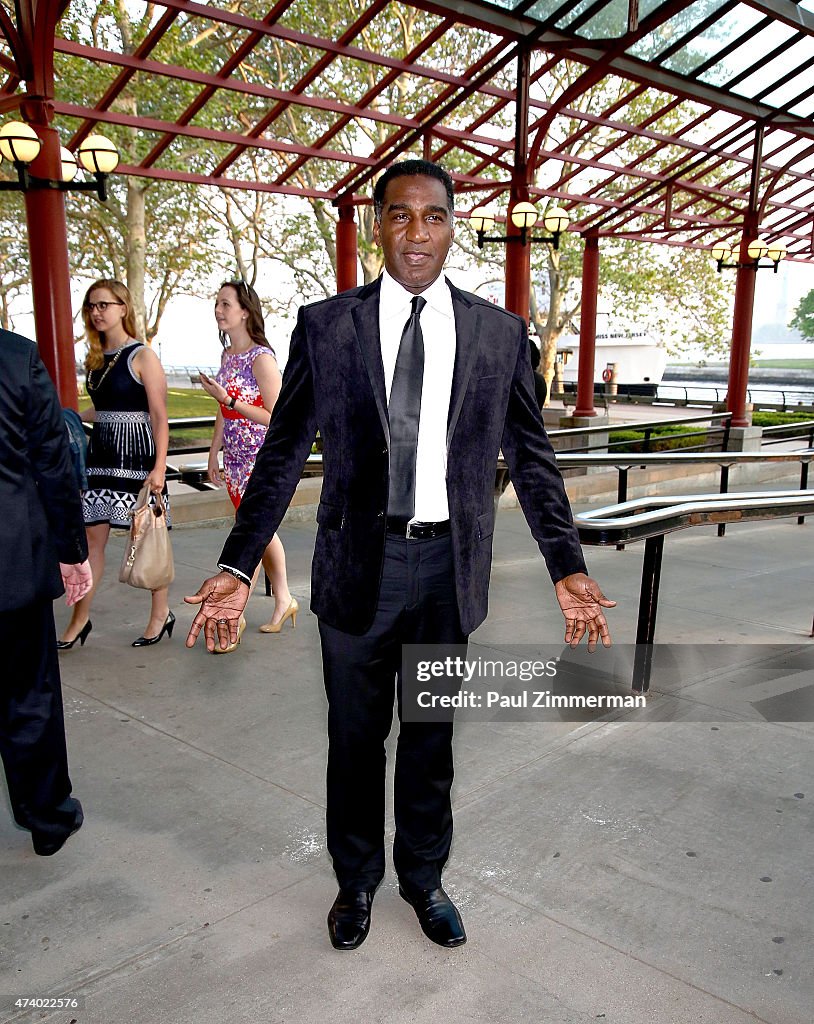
[(648, 606), (723, 490)]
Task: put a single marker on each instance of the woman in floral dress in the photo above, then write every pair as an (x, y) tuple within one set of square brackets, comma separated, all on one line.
[(246, 388)]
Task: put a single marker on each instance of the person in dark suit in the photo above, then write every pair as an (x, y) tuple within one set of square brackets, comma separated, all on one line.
[(43, 553), (415, 387)]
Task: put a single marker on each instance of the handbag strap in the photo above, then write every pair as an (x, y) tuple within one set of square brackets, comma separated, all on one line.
[(146, 498)]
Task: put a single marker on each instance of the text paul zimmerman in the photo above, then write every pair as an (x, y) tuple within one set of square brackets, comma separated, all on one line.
[(466, 669), (529, 699)]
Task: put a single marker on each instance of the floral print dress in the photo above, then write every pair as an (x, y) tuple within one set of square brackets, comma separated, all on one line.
[(241, 437)]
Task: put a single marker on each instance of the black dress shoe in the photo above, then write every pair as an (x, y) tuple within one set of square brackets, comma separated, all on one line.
[(46, 844), (349, 918), (437, 915)]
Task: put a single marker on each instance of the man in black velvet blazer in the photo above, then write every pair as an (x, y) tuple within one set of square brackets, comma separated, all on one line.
[(43, 553), (380, 580)]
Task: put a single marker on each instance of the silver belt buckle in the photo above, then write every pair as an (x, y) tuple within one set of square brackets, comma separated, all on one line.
[(409, 532)]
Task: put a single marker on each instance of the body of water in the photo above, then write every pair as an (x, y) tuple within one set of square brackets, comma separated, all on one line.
[(706, 390)]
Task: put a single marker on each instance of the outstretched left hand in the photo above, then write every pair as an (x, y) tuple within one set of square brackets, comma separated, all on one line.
[(77, 579), (582, 601)]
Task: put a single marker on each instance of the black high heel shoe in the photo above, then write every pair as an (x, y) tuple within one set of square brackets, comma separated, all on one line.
[(145, 641), (81, 636)]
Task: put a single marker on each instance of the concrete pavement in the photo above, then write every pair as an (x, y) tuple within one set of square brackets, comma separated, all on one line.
[(624, 870)]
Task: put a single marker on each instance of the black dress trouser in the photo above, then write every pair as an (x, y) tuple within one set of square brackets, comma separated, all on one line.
[(416, 604), (32, 728)]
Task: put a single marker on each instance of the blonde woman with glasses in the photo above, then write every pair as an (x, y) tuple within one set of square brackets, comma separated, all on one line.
[(128, 446)]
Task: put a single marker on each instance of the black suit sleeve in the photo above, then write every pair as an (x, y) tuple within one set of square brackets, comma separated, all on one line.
[(51, 465), (536, 477)]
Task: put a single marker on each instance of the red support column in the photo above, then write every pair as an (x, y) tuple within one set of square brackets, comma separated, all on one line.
[(742, 330), (518, 279), (518, 257), (50, 273), (587, 328), (518, 262), (346, 248)]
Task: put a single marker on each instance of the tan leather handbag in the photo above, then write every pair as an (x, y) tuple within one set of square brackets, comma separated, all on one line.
[(148, 561)]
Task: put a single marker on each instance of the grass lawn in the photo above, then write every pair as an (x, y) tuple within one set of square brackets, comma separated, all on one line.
[(786, 364), (181, 404), (767, 364)]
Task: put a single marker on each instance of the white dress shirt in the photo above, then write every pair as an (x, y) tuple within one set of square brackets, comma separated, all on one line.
[(438, 329)]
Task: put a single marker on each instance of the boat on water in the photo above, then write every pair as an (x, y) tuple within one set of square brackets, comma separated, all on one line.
[(633, 361)]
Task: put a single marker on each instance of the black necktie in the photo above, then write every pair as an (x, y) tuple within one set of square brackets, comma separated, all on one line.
[(404, 410)]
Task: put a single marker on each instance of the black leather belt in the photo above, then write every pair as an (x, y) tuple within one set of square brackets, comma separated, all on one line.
[(416, 531)]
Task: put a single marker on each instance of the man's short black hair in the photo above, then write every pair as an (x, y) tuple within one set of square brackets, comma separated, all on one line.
[(412, 168)]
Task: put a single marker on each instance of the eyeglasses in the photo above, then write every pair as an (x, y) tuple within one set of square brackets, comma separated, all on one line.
[(101, 306)]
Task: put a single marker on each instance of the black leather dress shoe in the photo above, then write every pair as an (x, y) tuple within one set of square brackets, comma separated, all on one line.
[(437, 915), (47, 844), (349, 918)]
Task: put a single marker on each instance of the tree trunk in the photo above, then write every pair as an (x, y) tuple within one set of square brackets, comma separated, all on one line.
[(369, 255), (136, 249), (550, 324)]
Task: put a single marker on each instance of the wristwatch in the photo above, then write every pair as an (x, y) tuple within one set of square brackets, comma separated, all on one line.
[(232, 402)]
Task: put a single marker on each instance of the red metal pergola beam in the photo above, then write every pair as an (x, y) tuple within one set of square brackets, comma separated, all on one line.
[(314, 72), (243, 184), (117, 86), (374, 93), (152, 124), (203, 97), (391, 148), (213, 82), (486, 159), (213, 135)]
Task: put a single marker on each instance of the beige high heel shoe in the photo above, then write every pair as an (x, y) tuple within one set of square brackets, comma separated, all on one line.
[(232, 647), (289, 613)]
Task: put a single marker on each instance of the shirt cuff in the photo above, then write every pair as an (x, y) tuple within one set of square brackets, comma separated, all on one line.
[(236, 573)]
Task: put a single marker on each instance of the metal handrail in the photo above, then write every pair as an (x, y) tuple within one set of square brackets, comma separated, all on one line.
[(651, 519), (565, 460), (664, 513), (649, 424), (791, 397), (724, 460)]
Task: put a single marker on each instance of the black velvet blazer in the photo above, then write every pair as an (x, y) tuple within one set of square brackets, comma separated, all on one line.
[(41, 520), (334, 382)]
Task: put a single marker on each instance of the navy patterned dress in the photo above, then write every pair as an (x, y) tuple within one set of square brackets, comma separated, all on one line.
[(121, 452)]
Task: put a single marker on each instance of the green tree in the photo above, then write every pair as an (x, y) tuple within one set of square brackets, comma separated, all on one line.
[(14, 270), (803, 318), (671, 292), (164, 238), (304, 238), (154, 235), (674, 293)]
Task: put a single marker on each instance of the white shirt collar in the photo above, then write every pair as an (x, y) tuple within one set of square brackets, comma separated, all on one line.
[(394, 301)]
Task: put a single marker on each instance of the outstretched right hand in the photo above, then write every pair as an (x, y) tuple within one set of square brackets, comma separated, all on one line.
[(222, 599)]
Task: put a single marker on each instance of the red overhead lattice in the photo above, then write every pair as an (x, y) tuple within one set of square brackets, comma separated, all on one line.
[(672, 117)]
